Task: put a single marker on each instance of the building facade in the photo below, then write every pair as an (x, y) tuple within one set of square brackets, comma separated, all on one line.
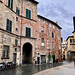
[(69, 49), (26, 37), (64, 50)]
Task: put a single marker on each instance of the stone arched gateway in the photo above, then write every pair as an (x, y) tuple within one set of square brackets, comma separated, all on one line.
[(27, 53)]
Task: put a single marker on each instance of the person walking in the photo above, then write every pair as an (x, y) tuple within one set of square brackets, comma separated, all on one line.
[(74, 61)]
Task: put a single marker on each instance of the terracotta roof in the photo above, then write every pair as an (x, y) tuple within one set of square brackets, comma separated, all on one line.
[(69, 37), (50, 21)]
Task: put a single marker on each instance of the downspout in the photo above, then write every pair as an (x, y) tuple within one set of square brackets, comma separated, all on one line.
[(21, 32), (48, 41)]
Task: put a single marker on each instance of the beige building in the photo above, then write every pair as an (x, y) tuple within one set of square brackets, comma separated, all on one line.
[(69, 47), (26, 37)]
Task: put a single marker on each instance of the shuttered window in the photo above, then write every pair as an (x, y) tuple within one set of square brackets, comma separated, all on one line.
[(10, 4), (9, 25), (28, 13), (17, 11), (28, 32), (42, 40), (52, 34)]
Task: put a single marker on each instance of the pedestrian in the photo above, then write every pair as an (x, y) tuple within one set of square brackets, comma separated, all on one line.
[(74, 62), (57, 60)]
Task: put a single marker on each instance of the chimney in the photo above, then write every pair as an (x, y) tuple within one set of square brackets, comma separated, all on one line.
[(74, 22)]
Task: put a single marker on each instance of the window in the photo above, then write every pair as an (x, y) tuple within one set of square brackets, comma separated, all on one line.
[(10, 4), (58, 29), (71, 40), (9, 25), (29, 2), (39, 19), (17, 11), (44, 21), (15, 49), (50, 25), (42, 40), (28, 13), (52, 34), (16, 29), (16, 43), (42, 29), (52, 44), (16, 18), (5, 52), (53, 27), (28, 32)]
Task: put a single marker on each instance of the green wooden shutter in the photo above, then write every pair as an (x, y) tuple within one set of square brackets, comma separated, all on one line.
[(7, 25), (11, 4), (29, 14), (17, 11), (52, 34), (26, 31), (29, 32), (10, 28), (26, 13)]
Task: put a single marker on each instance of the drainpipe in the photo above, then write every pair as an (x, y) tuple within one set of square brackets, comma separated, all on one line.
[(48, 39), (21, 31)]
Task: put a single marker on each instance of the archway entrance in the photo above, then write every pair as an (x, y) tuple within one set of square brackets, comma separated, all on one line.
[(27, 53)]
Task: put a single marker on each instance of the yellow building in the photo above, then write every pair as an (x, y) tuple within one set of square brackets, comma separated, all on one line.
[(71, 45)]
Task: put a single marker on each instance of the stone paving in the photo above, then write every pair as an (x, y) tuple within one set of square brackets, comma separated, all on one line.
[(67, 69)]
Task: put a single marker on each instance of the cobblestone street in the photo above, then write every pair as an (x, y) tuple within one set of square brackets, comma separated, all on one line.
[(67, 69), (45, 69)]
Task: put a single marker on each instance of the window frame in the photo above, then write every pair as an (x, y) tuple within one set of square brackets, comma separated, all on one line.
[(5, 53), (42, 29), (29, 31), (8, 25), (10, 4), (42, 40), (16, 42), (52, 34), (17, 11), (28, 13)]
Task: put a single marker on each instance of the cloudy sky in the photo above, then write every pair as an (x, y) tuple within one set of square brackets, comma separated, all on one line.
[(61, 11)]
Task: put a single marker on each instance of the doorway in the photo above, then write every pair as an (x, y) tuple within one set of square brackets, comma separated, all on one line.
[(27, 54), (14, 57), (53, 56)]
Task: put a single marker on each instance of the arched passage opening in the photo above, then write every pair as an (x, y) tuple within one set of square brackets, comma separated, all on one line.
[(27, 53)]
